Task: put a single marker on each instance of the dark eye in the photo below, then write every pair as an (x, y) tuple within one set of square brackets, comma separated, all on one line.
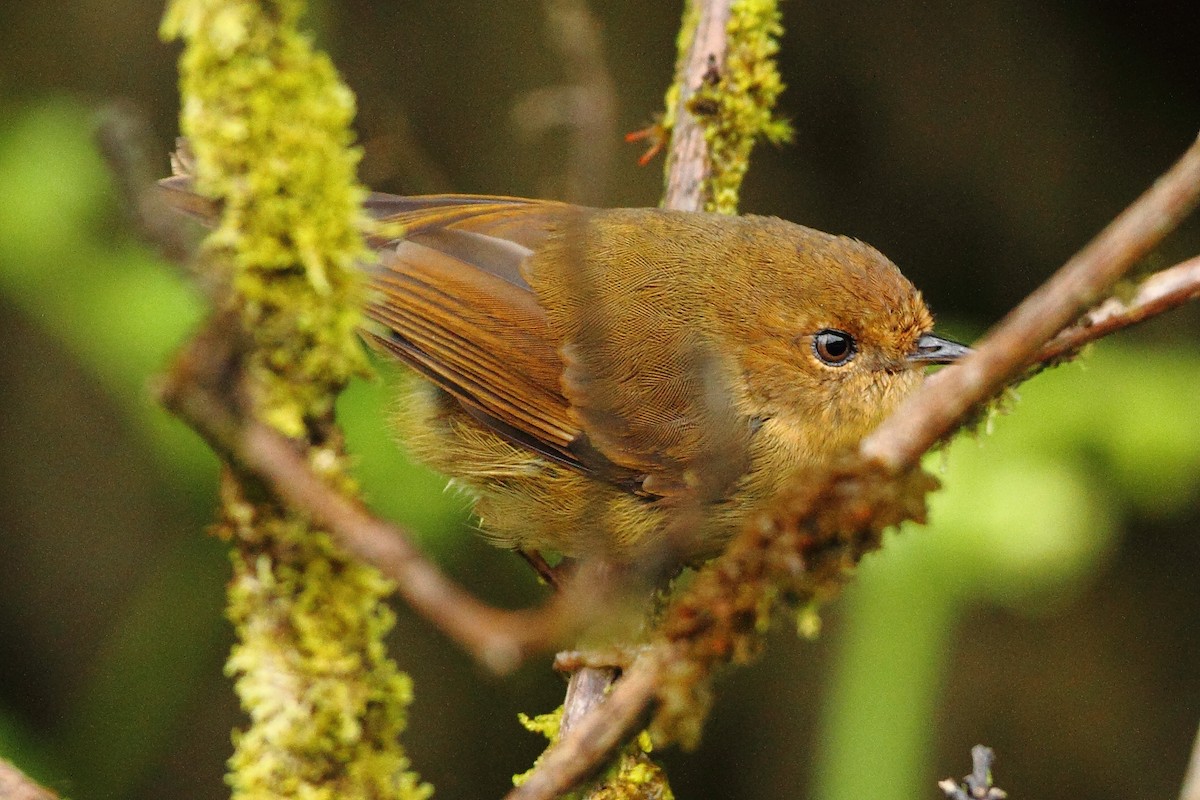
[(835, 348)]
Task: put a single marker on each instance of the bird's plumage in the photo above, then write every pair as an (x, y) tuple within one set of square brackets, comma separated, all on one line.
[(627, 383), (590, 372)]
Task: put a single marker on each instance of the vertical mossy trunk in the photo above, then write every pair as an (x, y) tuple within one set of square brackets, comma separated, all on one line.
[(268, 122)]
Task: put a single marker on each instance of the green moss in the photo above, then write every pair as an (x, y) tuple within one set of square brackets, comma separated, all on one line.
[(632, 775), (736, 109), (743, 99), (545, 724), (268, 122), (326, 704), (269, 125)]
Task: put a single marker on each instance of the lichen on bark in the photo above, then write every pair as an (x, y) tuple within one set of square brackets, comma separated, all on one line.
[(268, 123), (734, 100), (631, 775)]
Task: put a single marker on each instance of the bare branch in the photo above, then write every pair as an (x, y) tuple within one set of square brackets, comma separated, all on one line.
[(1161, 292), (16, 785), (499, 639), (596, 736), (1014, 344)]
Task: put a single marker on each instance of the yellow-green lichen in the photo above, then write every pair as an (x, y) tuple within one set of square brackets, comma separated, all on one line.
[(268, 122), (326, 704), (546, 725), (632, 775), (743, 99), (736, 107)]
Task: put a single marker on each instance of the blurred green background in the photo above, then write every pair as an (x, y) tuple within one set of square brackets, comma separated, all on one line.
[(1050, 610)]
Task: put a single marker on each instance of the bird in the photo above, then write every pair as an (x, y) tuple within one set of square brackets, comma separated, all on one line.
[(592, 376)]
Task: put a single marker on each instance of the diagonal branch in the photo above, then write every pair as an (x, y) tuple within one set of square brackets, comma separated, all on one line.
[(499, 639), (200, 389), (781, 547), (943, 403)]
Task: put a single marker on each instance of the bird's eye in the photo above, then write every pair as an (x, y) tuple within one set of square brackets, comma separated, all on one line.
[(835, 348)]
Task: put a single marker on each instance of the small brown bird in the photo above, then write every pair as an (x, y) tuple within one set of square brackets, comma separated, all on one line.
[(591, 373)]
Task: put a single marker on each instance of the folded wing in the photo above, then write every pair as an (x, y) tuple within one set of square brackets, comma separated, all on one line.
[(453, 303)]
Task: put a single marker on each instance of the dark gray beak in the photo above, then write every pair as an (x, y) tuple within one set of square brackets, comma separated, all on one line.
[(933, 349)]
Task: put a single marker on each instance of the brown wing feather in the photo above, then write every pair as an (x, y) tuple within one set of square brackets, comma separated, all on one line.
[(478, 336), (511, 219), (455, 304)]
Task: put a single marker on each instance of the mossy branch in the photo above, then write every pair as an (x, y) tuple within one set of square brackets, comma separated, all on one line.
[(722, 101), (268, 122)]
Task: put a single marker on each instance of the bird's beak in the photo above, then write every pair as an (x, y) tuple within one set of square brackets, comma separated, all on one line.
[(933, 349)]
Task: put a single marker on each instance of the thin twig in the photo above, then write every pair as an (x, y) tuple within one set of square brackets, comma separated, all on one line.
[(1162, 291), (499, 639), (16, 785), (1191, 778), (199, 389), (687, 159), (1013, 345)]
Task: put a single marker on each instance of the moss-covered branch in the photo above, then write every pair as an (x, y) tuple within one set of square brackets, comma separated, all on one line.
[(722, 101), (268, 122)]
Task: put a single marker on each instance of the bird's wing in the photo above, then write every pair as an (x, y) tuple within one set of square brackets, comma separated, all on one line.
[(521, 222), (452, 300), (453, 303)]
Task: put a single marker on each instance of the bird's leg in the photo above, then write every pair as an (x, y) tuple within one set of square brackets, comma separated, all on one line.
[(551, 576)]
